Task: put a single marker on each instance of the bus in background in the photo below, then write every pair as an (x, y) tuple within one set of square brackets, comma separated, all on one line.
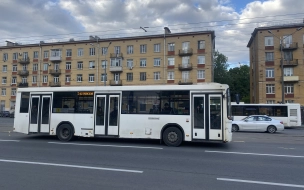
[(173, 114), (290, 114)]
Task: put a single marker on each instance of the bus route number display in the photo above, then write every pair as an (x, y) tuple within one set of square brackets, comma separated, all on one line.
[(85, 93)]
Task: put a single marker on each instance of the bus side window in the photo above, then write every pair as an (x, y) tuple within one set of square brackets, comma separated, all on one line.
[(24, 103)]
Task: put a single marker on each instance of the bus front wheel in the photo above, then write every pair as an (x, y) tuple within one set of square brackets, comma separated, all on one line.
[(172, 136), (65, 132)]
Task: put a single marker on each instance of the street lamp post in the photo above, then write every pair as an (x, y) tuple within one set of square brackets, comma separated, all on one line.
[(282, 68)]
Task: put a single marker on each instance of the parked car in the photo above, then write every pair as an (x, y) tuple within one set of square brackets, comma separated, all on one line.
[(12, 115), (5, 114), (258, 123)]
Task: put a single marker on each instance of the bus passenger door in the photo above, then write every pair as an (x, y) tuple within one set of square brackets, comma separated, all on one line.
[(107, 114), (34, 113), (215, 117), (198, 116), (45, 114)]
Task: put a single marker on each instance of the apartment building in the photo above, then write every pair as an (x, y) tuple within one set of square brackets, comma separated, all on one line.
[(277, 51), (169, 58)]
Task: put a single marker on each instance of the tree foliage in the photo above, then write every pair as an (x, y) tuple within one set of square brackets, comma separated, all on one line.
[(237, 78)]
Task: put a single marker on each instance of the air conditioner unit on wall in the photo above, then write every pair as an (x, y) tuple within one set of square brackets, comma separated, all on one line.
[(20, 54)]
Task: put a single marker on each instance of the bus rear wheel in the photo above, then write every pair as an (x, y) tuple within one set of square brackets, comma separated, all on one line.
[(65, 132), (172, 136)]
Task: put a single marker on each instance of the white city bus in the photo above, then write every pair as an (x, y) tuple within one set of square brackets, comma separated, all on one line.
[(173, 114), (290, 114)]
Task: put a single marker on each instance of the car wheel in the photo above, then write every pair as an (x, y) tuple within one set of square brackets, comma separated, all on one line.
[(172, 136), (65, 132), (234, 128), (271, 129)]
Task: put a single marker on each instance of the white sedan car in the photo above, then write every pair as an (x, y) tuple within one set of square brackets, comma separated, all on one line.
[(258, 123)]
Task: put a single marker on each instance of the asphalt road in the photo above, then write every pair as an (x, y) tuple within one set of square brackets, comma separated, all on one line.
[(251, 161)]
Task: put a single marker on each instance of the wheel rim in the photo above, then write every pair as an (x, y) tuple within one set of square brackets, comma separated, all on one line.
[(65, 133), (234, 128), (172, 137), (271, 129)]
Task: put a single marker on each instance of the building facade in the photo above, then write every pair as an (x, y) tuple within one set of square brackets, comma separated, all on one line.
[(170, 58), (269, 48)]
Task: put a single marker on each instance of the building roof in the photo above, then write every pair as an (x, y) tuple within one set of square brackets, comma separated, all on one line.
[(167, 35), (295, 25)]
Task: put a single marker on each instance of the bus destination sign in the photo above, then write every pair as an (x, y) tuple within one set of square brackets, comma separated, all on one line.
[(85, 93)]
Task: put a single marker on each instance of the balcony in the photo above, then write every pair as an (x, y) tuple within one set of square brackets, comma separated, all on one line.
[(55, 58), (55, 71), (185, 67), (23, 84), (291, 78), (290, 46), (290, 62), (115, 82), (185, 82), (114, 55), (54, 84), (115, 68), (24, 60), (23, 73), (185, 52)]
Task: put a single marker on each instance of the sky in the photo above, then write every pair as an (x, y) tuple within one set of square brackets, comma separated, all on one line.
[(31, 21)]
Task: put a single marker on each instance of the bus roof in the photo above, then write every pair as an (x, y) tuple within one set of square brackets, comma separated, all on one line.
[(199, 86)]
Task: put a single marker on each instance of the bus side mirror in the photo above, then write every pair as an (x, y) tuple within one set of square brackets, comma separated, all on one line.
[(237, 98)]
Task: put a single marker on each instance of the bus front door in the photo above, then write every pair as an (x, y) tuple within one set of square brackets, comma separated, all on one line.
[(40, 109), (107, 114)]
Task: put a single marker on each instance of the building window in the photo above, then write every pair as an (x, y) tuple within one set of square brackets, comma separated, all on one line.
[(4, 80), (129, 49), (34, 79), (270, 102), (116, 76), (288, 71), (201, 44), (69, 53), (3, 91), (288, 56), (14, 80), (116, 62), (288, 88), (104, 50), (80, 65), (156, 47), (45, 79), (5, 56), (92, 64), (13, 93), (129, 77), (269, 56), (170, 75), (36, 54), (143, 48), (24, 67), (80, 52), (79, 78), (56, 66), (269, 41), (289, 101), (200, 74), (103, 77), (103, 64), (270, 89), (116, 49), (142, 76), (92, 51), (171, 46), (171, 61), (130, 63), (46, 54), (201, 59), (185, 76), (15, 67), (143, 63), (68, 66), (67, 78), (156, 75), (4, 68), (55, 53), (91, 77), (24, 80), (35, 67), (45, 66), (269, 72), (56, 79), (15, 56), (156, 62)]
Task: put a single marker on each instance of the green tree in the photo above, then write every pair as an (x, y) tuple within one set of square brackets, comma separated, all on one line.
[(220, 68)]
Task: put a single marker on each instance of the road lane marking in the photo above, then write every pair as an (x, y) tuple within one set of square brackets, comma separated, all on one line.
[(10, 140), (71, 166), (261, 182), (256, 154), (107, 145)]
